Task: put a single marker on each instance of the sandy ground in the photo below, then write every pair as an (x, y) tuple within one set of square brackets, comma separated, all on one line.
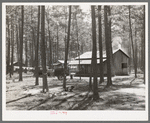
[(126, 93)]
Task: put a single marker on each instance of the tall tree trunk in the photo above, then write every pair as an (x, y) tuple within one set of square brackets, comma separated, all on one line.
[(139, 56), (143, 62), (30, 44), (46, 47), (110, 43), (17, 37), (12, 45), (21, 44), (135, 47), (50, 47), (45, 86), (91, 74), (94, 55), (66, 50), (8, 53), (65, 38), (57, 44), (33, 48), (53, 49), (100, 45), (37, 50), (129, 51), (132, 40), (77, 39), (26, 51), (91, 69), (32, 40), (108, 50)]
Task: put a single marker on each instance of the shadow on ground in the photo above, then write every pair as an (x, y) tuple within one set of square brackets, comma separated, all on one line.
[(111, 98)]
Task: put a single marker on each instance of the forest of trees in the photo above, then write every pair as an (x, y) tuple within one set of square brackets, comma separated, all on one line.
[(41, 35)]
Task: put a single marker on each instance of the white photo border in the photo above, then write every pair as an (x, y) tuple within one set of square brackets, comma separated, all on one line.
[(72, 115)]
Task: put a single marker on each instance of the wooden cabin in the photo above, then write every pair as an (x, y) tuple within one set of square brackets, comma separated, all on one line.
[(82, 67), (16, 66)]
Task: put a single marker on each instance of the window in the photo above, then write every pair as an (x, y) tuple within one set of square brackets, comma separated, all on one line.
[(124, 65)]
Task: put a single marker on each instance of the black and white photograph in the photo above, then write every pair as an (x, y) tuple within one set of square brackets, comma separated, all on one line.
[(75, 61)]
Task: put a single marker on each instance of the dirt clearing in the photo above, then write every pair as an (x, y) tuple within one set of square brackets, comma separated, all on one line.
[(126, 93)]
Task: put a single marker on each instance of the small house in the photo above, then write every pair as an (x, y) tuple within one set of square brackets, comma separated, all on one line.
[(82, 64), (16, 65)]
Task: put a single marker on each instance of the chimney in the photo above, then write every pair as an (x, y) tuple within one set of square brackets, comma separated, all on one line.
[(119, 46)]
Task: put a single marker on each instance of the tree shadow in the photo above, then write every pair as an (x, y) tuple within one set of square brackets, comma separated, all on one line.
[(19, 98), (80, 103), (44, 101), (118, 85), (124, 101), (59, 100)]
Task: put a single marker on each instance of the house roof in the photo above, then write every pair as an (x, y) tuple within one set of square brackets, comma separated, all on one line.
[(122, 52), (83, 62), (17, 64), (89, 55), (60, 62)]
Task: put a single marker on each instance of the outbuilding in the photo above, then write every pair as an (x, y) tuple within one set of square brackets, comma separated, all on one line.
[(82, 64)]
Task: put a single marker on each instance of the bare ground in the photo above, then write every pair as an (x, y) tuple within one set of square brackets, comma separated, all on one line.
[(126, 93)]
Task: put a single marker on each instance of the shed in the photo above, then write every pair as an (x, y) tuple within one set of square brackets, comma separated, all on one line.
[(82, 67), (17, 64)]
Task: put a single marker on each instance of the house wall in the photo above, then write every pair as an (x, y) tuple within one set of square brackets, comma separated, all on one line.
[(86, 69), (119, 59), (73, 68), (117, 69), (58, 66)]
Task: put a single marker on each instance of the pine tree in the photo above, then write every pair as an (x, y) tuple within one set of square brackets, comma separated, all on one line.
[(94, 55), (12, 44), (143, 44), (131, 37), (100, 45), (108, 46), (21, 43), (8, 49), (66, 49), (37, 49), (43, 55)]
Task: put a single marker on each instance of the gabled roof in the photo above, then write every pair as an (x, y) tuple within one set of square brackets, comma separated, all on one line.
[(122, 52), (89, 55), (83, 62), (17, 63)]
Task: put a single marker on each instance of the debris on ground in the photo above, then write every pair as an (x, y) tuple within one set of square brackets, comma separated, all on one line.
[(126, 93)]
